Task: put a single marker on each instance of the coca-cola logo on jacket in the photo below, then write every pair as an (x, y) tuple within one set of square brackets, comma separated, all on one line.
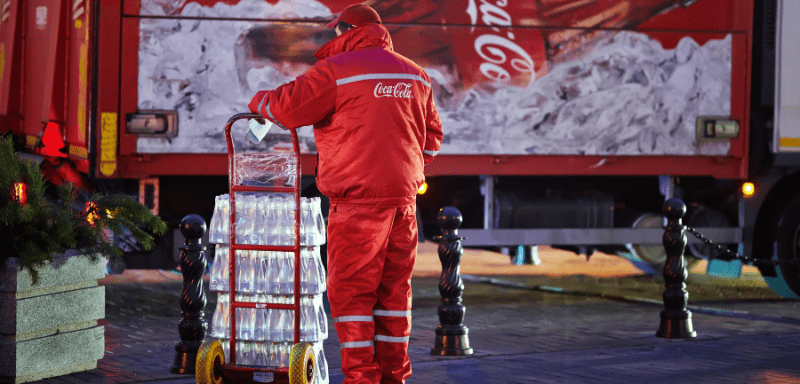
[(399, 90)]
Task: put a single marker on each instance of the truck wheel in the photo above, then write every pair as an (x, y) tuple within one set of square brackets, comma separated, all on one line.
[(652, 254), (785, 241), (650, 258)]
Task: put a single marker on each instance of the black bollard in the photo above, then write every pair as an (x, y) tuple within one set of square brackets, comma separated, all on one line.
[(676, 320), (452, 337), (192, 327)]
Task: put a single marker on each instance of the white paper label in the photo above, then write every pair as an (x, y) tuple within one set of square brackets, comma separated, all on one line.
[(263, 377), (258, 131)]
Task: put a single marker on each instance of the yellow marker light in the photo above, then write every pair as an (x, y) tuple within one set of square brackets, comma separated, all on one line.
[(423, 188), (748, 189)]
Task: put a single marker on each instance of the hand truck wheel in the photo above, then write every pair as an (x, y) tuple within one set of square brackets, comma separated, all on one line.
[(302, 364), (208, 367)]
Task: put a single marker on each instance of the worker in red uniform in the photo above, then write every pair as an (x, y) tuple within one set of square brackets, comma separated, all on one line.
[(375, 127)]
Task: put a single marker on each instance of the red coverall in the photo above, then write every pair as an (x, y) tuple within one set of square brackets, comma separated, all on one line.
[(375, 126)]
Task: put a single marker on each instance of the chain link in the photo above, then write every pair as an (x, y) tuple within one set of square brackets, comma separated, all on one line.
[(723, 253)]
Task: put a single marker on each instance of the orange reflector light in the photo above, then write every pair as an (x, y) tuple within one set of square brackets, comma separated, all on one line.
[(748, 189), (423, 188)]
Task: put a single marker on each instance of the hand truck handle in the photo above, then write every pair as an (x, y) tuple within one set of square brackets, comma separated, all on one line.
[(249, 116)]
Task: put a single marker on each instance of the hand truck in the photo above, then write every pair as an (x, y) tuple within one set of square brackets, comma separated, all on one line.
[(211, 366)]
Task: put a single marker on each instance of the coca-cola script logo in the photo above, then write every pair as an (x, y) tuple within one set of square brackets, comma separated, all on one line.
[(399, 90), (494, 48)]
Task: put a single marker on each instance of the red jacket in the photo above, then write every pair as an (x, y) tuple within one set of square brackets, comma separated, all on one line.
[(375, 124)]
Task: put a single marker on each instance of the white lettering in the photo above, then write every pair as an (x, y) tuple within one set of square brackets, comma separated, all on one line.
[(493, 49), (495, 72), (494, 15), (399, 90)]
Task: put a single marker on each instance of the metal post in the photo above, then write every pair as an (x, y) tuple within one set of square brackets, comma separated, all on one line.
[(192, 327), (452, 337), (676, 320)]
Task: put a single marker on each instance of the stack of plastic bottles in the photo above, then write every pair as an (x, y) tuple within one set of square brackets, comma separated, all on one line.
[(265, 336)]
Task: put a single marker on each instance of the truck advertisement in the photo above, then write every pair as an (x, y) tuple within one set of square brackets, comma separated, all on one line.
[(502, 87)]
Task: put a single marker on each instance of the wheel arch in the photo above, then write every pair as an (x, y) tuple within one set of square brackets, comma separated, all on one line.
[(779, 195)]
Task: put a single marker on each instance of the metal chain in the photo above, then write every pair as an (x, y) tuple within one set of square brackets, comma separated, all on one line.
[(728, 255)]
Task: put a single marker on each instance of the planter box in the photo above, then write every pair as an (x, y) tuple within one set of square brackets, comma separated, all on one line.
[(51, 328)]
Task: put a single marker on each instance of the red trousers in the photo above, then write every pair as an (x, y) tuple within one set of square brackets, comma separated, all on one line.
[(371, 254)]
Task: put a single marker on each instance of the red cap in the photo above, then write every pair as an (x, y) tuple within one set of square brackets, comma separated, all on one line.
[(357, 15)]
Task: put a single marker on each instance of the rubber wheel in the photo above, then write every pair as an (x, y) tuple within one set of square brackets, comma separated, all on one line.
[(786, 240), (208, 367), (302, 364)]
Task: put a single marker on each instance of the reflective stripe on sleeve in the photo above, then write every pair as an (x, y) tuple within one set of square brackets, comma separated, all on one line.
[(261, 103), (430, 153), (343, 319), (381, 76), (392, 339), (383, 312), (357, 344), (273, 117)]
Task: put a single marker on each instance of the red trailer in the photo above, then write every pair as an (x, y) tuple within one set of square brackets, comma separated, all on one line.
[(567, 122)]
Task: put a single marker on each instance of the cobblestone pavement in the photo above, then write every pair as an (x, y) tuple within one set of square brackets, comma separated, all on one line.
[(519, 335)]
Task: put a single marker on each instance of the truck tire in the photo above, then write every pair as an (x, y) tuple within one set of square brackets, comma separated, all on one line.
[(785, 243)]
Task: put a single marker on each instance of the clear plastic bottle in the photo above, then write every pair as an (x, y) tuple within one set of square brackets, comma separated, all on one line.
[(221, 318), (213, 226), (214, 278), (276, 321), (224, 224), (308, 233), (288, 327), (245, 355), (260, 271), (271, 222), (311, 271), (274, 354), (226, 349), (218, 281), (273, 272), (245, 317), (261, 354), (245, 270), (305, 278), (286, 273), (308, 325), (286, 222), (249, 270), (260, 320), (284, 350), (262, 206)]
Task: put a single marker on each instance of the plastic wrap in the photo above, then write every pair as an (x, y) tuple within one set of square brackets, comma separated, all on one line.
[(265, 169)]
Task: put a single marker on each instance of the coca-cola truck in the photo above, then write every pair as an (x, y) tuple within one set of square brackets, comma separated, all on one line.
[(566, 122)]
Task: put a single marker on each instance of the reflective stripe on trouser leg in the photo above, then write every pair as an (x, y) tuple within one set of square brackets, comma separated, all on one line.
[(357, 349), (357, 238), (393, 310)]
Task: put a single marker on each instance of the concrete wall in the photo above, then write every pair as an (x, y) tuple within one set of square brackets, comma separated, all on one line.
[(50, 328)]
